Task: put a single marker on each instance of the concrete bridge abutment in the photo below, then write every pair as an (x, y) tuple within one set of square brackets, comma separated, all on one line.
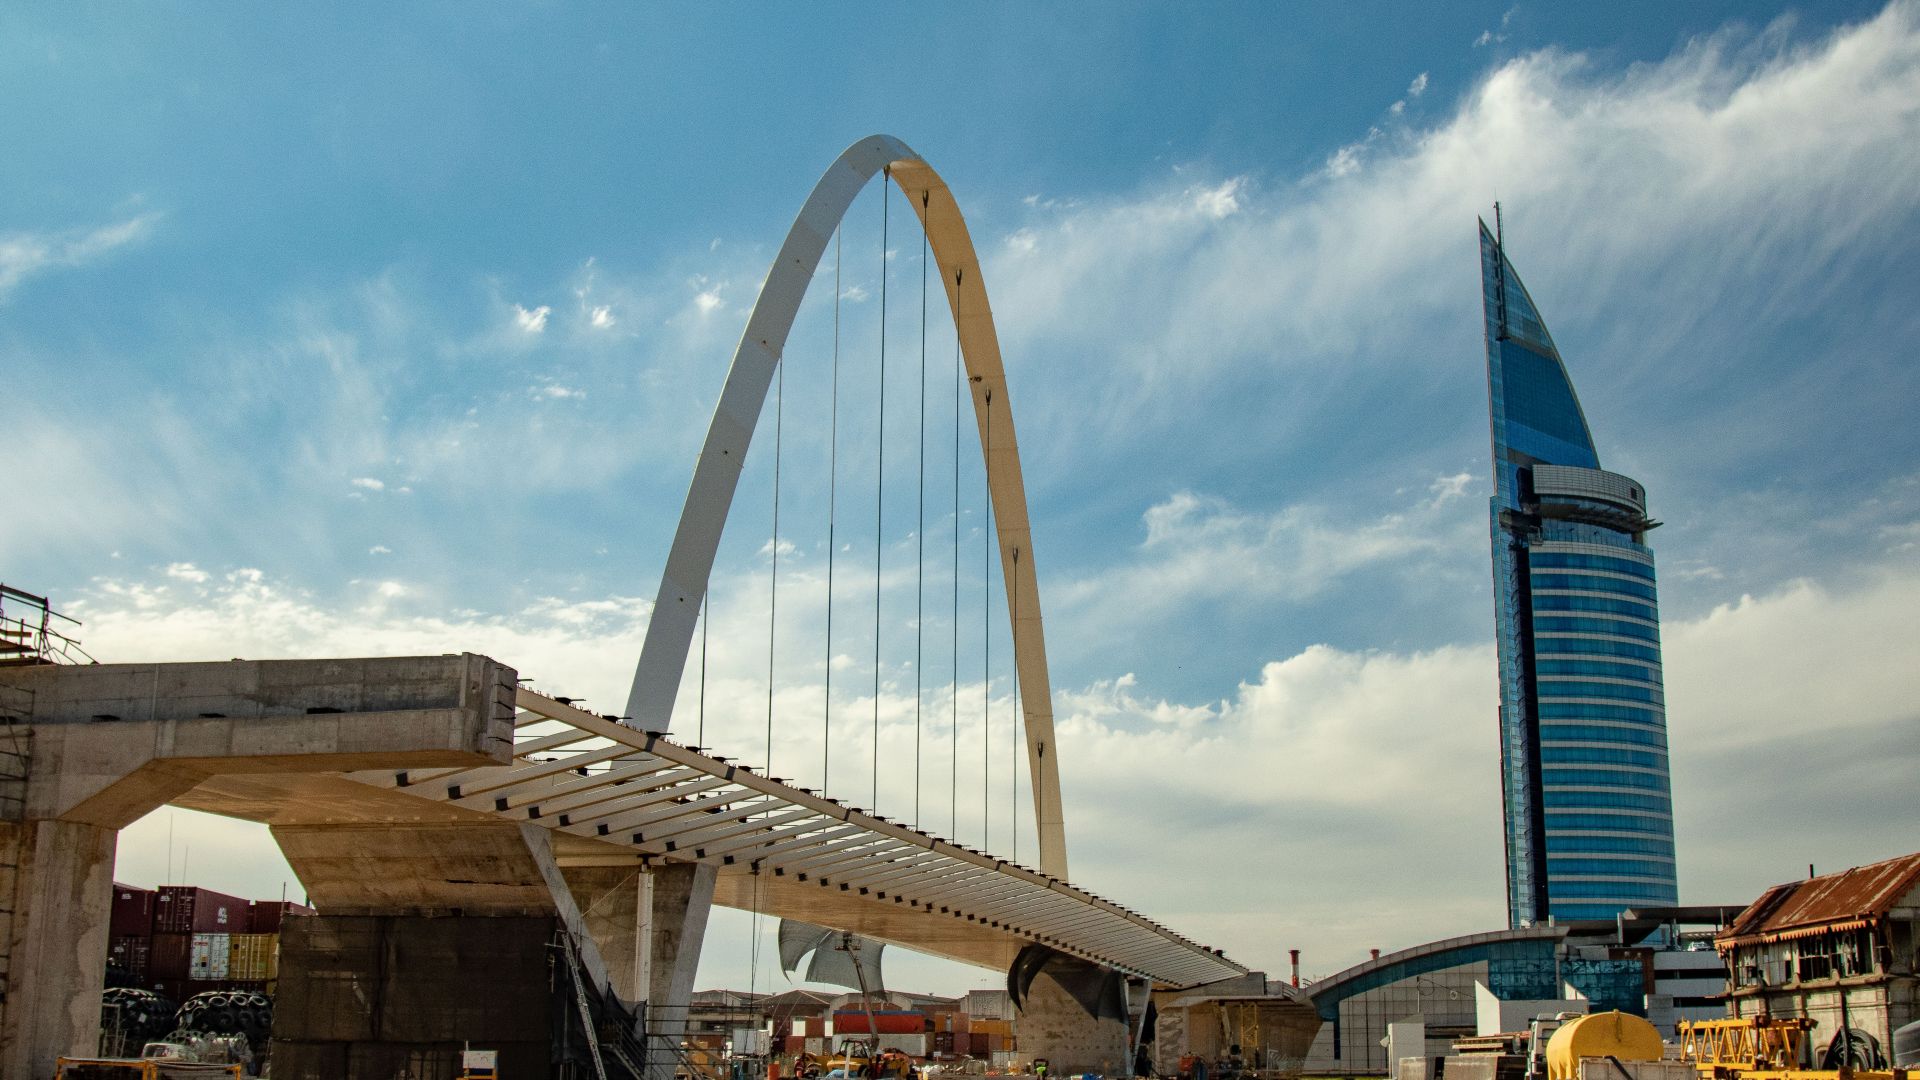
[(89, 750)]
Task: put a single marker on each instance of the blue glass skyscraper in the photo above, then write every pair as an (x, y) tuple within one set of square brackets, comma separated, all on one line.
[(1583, 725)]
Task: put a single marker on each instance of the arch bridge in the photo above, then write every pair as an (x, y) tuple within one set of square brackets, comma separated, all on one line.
[(441, 785)]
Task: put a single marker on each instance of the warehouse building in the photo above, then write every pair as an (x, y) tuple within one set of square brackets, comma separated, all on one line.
[(1842, 950)]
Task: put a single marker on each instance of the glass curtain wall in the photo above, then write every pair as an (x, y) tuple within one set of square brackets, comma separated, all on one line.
[(1583, 743)]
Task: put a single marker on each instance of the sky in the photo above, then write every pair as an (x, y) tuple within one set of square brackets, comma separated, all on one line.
[(366, 332)]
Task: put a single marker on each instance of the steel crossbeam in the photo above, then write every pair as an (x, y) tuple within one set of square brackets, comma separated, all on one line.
[(858, 874), (851, 855), (757, 825), (809, 821), (792, 840), (614, 784), (622, 804), (650, 821), (512, 777), (932, 866)]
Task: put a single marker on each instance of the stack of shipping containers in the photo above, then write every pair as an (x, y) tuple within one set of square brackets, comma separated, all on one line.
[(181, 940)]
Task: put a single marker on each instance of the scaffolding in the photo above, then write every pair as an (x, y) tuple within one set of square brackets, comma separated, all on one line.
[(28, 636)]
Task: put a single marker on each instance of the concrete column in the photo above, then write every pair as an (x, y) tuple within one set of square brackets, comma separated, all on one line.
[(609, 898), (1055, 1025), (57, 948), (676, 899)]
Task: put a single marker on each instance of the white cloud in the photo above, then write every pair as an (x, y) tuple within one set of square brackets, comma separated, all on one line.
[(1418, 86), (1799, 694), (1714, 154), (368, 483), (379, 549), (1203, 553), (552, 391), (1444, 488), (1344, 161), (1489, 37), (708, 301), (186, 571), (534, 321), (1220, 200), (601, 318), (1021, 240), (26, 254)]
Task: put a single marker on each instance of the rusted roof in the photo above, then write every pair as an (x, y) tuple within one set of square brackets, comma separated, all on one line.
[(1864, 892)]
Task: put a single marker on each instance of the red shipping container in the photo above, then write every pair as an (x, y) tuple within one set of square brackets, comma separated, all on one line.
[(132, 912), (130, 954), (189, 909), (264, 916), (890, 1022), (169, 957)]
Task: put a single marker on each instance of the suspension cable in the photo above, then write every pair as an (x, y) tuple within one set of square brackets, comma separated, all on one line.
[(773, 576), (700, 732), (920, 531), (833, 477), (953, 756), (880, 480), (986, 639)]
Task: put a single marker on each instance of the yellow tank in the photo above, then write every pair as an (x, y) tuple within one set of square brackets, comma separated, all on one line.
[(1615, 1034)]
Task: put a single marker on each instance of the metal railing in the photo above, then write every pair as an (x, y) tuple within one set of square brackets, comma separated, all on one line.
[(27, 634)]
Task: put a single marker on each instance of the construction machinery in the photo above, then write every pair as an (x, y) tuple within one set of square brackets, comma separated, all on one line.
[(857, 1058), (1614, 1036), (1762, 1048)]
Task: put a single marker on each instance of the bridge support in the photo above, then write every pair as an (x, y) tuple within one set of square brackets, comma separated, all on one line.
[(59, 877), (648, 924), (1056, 1026), (85, 751), (1073, 1013)]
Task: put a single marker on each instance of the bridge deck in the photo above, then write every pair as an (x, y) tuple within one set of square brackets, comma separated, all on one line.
[(611, 793)]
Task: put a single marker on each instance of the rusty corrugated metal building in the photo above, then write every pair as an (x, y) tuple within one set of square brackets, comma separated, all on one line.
[(1841, 949)]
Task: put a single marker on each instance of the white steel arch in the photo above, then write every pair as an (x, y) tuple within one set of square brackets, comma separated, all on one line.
[(683, 583)]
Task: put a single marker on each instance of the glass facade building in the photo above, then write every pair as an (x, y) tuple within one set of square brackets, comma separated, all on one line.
[(1583, 725)]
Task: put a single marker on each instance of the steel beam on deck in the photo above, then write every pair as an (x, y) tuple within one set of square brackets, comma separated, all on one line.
[(804, 838), (716, 812), (628, 802), (622, 783), (531, 772), (760, 824), (862, 847)]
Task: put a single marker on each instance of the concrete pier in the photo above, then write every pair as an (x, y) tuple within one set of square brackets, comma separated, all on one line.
[(103, 745)]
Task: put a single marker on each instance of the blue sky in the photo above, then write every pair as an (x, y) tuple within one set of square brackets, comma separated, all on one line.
[(352, 332)]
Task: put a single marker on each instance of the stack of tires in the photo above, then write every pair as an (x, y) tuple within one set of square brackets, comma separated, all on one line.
[(139, 1015), (229, 1012)]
